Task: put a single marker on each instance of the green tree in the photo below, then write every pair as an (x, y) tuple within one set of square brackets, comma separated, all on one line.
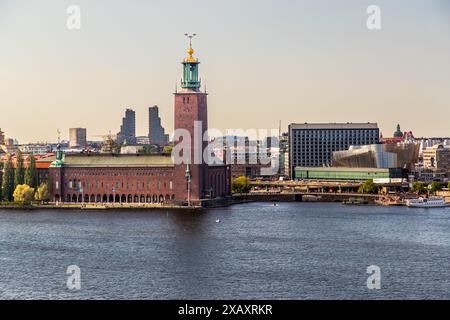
[(418, 187), (31, 175), (8, 180), (448, 186), (368, 187), (435, 186), (240, 185), (23, 194), (19, 174), (168, 149), (151, 149), (42, 193)]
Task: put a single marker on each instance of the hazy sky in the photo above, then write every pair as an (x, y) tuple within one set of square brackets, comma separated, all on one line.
[(263, 61)]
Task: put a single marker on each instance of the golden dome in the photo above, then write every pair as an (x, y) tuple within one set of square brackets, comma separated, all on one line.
[(190, 58)]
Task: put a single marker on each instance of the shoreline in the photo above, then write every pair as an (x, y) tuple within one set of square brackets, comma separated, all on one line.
[(98, 207), (143, 207), (354, 200)]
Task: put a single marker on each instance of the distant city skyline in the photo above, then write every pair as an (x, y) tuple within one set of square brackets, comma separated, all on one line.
[(262, 61)]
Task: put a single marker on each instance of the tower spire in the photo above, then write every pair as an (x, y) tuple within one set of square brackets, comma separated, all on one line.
[(190, 68), (190, 51)]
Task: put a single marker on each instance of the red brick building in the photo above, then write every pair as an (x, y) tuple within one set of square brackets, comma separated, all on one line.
[(148, 178)]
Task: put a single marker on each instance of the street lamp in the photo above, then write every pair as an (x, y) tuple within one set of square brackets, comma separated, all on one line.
[(188, 181), (114, 195)]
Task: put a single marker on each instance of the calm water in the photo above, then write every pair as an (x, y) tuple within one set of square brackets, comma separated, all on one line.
[(292, 251)]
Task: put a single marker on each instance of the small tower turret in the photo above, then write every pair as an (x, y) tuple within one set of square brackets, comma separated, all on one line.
[(190, 69)]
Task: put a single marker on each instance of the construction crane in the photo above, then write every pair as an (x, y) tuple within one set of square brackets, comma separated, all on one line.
[(109, 143), (107, 137)]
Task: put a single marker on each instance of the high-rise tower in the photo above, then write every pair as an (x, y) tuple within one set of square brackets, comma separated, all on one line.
[(191, 114), (77, 138), (127, 131), (156, 132), (2, 137)]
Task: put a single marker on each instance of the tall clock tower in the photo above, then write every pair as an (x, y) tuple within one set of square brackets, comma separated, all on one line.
[(191, 114)]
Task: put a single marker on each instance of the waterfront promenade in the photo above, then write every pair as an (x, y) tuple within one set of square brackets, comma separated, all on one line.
[(235, 199)]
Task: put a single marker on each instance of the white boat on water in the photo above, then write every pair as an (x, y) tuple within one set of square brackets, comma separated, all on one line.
[(426, 203)]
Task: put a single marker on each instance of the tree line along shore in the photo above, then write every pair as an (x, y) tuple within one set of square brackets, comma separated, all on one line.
[(19, 182)]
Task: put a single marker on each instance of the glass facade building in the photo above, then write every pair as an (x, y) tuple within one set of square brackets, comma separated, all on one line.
[(344, 174), (312, 145)]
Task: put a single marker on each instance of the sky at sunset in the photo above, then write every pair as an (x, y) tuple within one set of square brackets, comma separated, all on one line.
[(262, 61)]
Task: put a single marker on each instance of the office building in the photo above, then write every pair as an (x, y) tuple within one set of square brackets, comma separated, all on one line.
[(437, 157), (313, 144), (156, 132), (127, 133), (2, 137), (77, 138)]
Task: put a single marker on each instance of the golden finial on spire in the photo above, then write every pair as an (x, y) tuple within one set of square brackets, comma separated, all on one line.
[(190, 51)]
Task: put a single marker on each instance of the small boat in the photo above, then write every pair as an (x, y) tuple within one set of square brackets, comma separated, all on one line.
[(389, 201), (355, 202), (217, 221), (426, 203)]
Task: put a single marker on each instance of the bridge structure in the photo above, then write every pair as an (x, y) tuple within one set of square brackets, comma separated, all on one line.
[(306, 197), (305, 190), (305, 186)]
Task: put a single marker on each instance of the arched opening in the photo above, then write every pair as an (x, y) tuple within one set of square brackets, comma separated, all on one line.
[(74, 198), (142, 199), (86, 198), (155, 198), (136, 199), (56, 197), (111, 198), (92, 198), (105, 198), (80, 198), (149, 199), (173, 197), (130, 198), (123, 198), (161, 198), (117, 199), (68, 198), (98, 198), (167, 197)]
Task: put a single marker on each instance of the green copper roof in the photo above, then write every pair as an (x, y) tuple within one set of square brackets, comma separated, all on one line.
[(398, 133), (116, 161), (190, 76), (57, 164), (190, 70)]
